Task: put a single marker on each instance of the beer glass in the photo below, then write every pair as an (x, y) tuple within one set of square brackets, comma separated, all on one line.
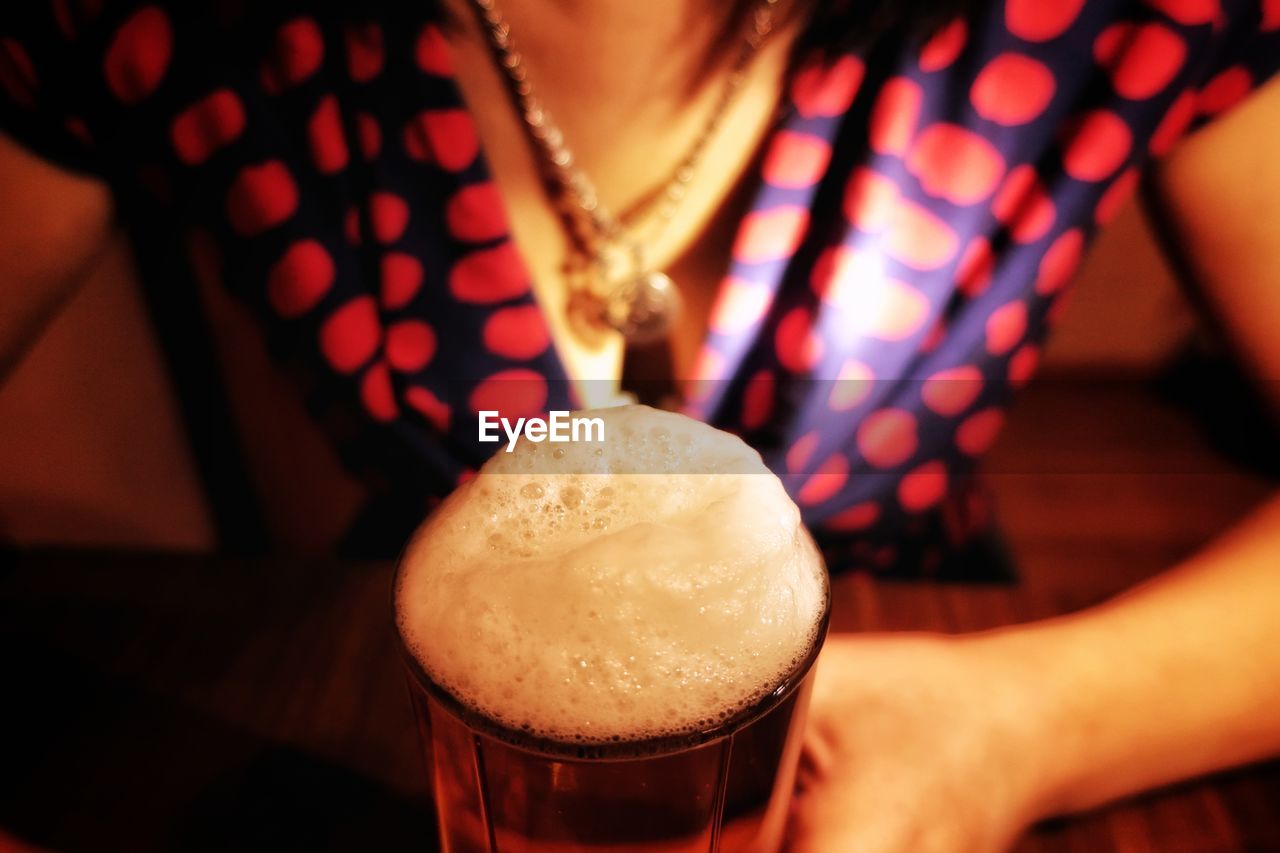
[(726, 788)]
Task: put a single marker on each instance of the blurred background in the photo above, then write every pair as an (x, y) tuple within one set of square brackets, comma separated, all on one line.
[(95, 452)]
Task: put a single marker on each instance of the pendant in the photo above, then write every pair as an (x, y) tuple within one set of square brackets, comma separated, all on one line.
[(642, 308), (613, 290)]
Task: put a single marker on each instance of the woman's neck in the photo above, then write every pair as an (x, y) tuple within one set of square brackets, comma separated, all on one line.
[(651, 59), (628, 86)]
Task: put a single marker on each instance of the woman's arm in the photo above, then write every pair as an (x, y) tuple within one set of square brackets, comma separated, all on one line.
[(1216, 202), (1182, 676), (53, 224), (921, 743), (1174, 679), (928, 744)]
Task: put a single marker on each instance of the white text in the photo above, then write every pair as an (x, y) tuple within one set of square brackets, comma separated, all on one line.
[(556, 427)]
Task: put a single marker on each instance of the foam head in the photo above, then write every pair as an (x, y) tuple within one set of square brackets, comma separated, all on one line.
[(650, 585)]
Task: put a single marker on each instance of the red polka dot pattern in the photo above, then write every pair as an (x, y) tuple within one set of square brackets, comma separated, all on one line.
[(945, 46), (799, 347), (352, 227), (389, 217), (949, 392), (955, 163), (923, 488), (1012, 89), (325, 136), (1173, 125), (935, 336), (856, 518), (432, 52), (1225, 90), (769, 235), (796, 160), (887, 438), (1116, 195), (297, 53), (1097, 145), (919, 238), (1189, 12), (429, 406), (300, 279), (1057, 307), (977, 265), (1005, 327), (364, 51), (1024, 205), (897, 111), (487, 276), (821, 90), (757, 400), (211, 123), (445, 137), (1036, 20), (978, 432), (518, 333), (368, 136), (260, 198), (515, 393), (873, 304), (65, 20), (710, 367), (870, 200), (400, 280), (1143, 59), (852, 386), (974, 166), (1270, 15), (411, 344), (914, 235), (1060, 262), (1022, 364), (377, 394), (801, 452), (351, 335), (826, 482), (138, 55), (475, 213), (739, 306)]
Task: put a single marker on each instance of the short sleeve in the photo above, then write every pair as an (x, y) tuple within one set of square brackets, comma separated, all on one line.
[(1246, 55), (42, 104)]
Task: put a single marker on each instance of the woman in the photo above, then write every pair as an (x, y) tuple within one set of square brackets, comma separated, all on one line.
[(868, 213)]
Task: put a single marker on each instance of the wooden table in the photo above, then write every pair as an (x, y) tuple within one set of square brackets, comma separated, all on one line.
[(196, 704)]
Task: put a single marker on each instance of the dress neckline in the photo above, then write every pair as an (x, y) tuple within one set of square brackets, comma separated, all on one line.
[(719, 355)]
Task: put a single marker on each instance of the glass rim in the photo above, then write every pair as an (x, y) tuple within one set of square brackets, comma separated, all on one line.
[(615, 750)]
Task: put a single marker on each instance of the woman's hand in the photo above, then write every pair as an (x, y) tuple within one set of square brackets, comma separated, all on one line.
[(915, 743)]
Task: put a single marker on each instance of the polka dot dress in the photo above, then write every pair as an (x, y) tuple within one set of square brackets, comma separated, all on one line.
[(920, 208)]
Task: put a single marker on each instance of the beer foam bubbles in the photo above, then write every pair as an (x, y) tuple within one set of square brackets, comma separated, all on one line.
[(653, 584)]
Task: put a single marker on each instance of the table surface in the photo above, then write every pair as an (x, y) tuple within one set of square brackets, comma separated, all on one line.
[(211, 704)]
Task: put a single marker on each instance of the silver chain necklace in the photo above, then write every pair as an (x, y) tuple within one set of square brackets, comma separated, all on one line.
[(611, 281)]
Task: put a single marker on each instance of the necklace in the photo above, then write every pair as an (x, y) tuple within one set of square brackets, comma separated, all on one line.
[(612, 283)]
